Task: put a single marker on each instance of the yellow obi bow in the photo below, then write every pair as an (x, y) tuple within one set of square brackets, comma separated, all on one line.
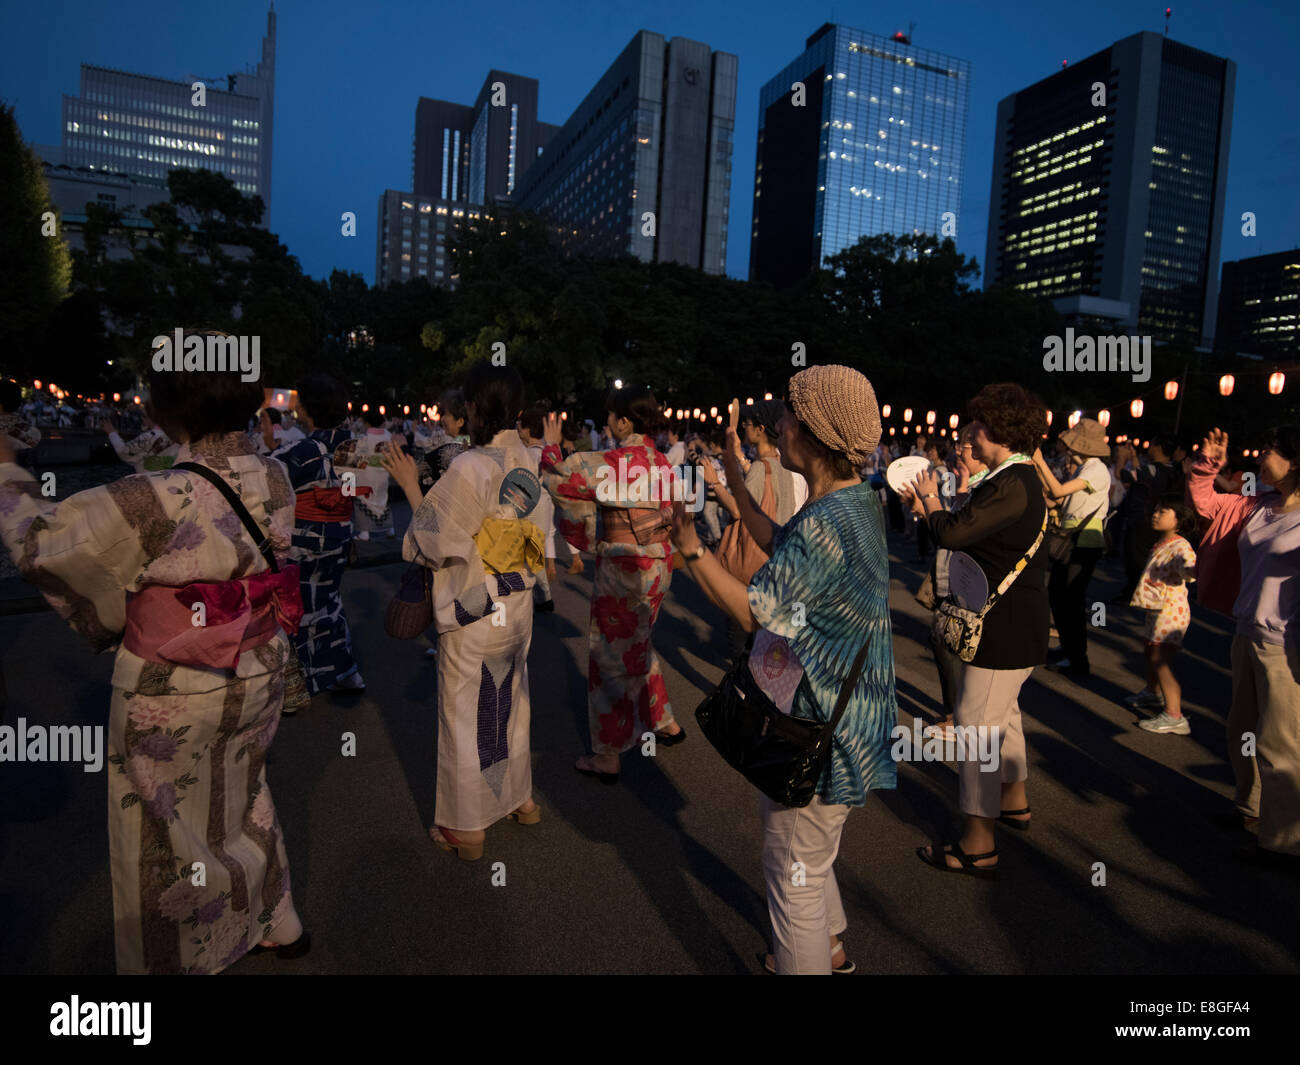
[(510, 545)]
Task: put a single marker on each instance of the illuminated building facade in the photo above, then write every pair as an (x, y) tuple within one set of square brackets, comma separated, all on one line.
[(1259, 305), (1109, 180)]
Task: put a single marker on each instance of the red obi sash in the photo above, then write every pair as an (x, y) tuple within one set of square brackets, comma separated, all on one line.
[(326, 504), (238, 615)]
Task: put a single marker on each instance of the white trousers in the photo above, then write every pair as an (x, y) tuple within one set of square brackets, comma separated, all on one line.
[(803, 900)]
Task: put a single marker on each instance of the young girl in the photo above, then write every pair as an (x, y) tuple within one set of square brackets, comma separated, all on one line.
[(1162, 593)]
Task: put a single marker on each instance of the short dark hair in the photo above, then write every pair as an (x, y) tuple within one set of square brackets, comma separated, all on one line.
[(842, 467), (637, 404), (1285, 440), (1166, 444), (497, 393), (1187, 522), (372, 417), (203, 402), (533, 419), (273, 415), (11, 396), (324, 400), (1012, 415), (452, 402)]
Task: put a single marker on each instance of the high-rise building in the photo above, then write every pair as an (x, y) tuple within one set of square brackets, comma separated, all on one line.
[(1259, 305), (643, 165), (477, 154), (1108, 187), (415, 236), (870, 140), (142, 126)]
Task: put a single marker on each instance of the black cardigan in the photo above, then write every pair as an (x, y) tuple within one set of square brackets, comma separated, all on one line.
[(995, 528)]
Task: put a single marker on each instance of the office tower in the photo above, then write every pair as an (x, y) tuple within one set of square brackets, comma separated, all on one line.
[(653, 137), (143, 126), (415, 235), (477, 154), (873, 141), (1112, 204), (1259, 305)]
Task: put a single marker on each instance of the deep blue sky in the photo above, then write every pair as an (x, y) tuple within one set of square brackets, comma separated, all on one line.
[(349, 74)]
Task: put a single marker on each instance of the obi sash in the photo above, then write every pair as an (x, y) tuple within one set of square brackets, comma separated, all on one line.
[(326, 504), (646, 526), (511, 546), (238, 615)]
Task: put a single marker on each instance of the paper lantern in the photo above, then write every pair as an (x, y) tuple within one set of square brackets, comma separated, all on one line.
[(137, 401), (918, 427), (905, 430), (1226, 384), (907, 414), (929, 417), (1049, 417), (37, 384), (349, 404), (1254, 454), (381, 409), (406, 408), (891, 430), (1276, 382), (1171, 390), (952, 422), (767, 395), (713, 412), (884, 411), (719, 418), (117, 397), (1103, 418), (1074, 418), (421, 408), (365, 407), (564, 415), (749, 402), (1135, 408), (668, 412)]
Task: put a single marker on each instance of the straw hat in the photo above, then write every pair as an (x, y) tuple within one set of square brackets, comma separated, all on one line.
[(1087, 438)]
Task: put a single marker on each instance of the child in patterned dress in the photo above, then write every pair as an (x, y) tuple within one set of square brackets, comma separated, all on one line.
[(1162, 593)]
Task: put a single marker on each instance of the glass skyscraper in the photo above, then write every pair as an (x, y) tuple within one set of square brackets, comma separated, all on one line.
[(875, 144), (1108, 187), (143, 126)]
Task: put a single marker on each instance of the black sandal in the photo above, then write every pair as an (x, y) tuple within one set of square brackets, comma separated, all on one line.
[(665, 739), (287, 951), (1008, 819), (936, 860)]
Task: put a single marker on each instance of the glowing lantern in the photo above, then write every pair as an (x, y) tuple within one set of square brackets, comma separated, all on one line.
[(668, 412), (349, 404), (1276, 382), (1074, 418), (421, 408), (929, 417), (749, 402), (564, 415), (918, 427), (1246, 454), (117, 397), (1226, 384), (365, 407), (767, 395), (406, 408), (695, 413), (381, 409), (1103, 417), (719, 418), (1254, 454), (37, 384), (891, 430), (907, 414), (1049, 417), (1135, 408), (884, 411), (1171, 390), (137, 401), (952, 422), (905, 430), (713, 412)]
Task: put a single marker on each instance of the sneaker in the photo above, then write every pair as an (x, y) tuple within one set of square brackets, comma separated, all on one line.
[(1146, 699), (1164, 723)]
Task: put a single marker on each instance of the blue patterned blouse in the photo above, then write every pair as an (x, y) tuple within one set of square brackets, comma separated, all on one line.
[(826, 590)]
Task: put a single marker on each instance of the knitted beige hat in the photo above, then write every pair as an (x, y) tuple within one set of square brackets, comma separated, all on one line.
[(839, 405)]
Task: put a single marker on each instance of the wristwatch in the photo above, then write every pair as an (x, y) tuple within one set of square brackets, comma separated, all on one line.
[(696, 556)]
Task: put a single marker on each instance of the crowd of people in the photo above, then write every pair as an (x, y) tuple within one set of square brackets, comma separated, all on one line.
[(781, 519)]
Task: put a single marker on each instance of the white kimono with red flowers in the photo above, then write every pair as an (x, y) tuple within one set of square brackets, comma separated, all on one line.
[(626, 694)]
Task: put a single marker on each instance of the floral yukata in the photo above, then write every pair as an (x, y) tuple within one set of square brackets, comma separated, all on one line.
[(626, 693), (187, 744), (474, 529), (321, 539), (1162, 591), (150, 450)]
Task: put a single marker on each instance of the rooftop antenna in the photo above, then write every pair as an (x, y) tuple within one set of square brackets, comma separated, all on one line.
[(1168, 11)]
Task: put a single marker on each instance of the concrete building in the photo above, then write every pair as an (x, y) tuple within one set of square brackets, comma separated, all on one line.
[(415, 236), (1259, 306), (873, 141), (643, 165), (143, 126), (1109, 180), (477, 154)]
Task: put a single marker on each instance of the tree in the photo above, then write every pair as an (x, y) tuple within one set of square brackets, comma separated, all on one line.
[(35, 267)]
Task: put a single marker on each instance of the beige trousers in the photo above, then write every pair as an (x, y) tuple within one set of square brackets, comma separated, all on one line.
[(1266, 703), (988, 698)]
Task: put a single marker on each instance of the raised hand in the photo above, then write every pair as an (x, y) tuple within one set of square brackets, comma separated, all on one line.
[(733, 415), (684, 536), (1215, 445), (551, 429), (401, 467)]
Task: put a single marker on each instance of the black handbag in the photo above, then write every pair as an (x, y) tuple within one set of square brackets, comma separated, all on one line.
[(783, 756)]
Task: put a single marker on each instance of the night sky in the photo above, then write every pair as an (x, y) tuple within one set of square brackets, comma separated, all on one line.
[(348, 76)]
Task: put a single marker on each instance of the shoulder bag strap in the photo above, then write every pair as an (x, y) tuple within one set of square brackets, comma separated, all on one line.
[(846, 691), (1010, 578), (236, 504)]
